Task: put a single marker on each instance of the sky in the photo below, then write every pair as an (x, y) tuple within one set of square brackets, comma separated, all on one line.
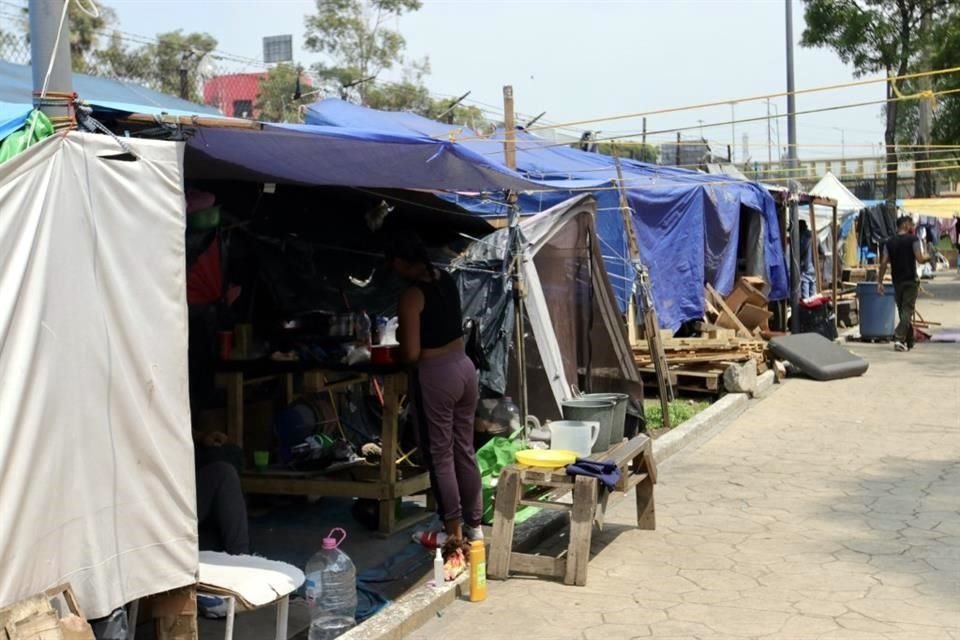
[(580, 60)]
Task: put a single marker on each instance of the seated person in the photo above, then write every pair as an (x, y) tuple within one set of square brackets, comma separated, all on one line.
[(221, 509)]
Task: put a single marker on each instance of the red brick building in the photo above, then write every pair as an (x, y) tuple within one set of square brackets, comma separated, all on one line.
[(234, 94)]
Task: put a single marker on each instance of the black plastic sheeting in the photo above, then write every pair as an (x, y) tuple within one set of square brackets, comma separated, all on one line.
[(486, 295)]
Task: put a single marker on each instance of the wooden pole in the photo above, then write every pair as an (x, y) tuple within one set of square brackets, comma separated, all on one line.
[(815, 247), (516, 268), (651, 324), (632, 243), (510, 128)]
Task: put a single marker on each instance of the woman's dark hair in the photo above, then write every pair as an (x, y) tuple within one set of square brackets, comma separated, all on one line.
[(408, 246)]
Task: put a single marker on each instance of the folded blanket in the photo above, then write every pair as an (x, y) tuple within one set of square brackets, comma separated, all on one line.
[(606, 472)]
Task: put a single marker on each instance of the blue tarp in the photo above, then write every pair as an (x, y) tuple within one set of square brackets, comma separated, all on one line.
[(687, 223), (12, 117), (331, 156), (16, 88)]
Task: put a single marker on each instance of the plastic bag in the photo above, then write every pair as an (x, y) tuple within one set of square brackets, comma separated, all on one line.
[(113, 627), (492, 457), (17, 141)]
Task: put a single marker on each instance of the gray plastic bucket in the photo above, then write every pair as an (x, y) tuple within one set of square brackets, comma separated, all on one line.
[(600, 411), (619, 415)]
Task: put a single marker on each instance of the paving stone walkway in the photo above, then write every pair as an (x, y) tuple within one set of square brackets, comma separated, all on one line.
[(827, 511)]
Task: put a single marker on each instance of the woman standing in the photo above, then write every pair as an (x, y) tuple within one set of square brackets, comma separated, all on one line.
[(446, 392)]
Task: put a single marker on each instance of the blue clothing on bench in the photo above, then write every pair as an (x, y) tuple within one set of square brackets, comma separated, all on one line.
[(606, 472)]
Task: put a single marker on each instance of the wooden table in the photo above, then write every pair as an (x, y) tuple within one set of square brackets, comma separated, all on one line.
[(638, 472), (384, 483)]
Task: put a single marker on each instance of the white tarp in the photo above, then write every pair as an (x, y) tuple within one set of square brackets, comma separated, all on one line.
[(96, 459), (831, 187)]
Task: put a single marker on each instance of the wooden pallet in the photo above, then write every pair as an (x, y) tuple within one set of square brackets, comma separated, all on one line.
[(692, 380)]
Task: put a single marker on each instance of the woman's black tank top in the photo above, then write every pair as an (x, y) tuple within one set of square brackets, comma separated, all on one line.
[(441, 321)]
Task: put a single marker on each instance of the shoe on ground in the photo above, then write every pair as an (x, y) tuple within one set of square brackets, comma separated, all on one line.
[(473, 533), (430, 539), (211, 607), (900, 346)]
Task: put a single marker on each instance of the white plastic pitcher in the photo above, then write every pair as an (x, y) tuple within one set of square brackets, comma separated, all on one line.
[(574, 435)]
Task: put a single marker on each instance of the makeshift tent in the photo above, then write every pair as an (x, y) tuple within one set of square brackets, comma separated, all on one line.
[(831, 187), (96, 458), (330, 156), (687, 223), (577, 338), (16, 89)]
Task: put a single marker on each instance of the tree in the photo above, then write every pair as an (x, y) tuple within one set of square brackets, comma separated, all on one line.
[(275, 99), (175, 58), (357, 42), (638, 151), (170, 64), (946, 55), (85, 32), (875, 35)]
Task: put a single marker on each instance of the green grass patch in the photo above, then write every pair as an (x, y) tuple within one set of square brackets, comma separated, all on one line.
[(680, 411)]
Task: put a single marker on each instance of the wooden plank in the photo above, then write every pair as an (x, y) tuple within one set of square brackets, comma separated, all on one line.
[(192, 121), (815, 248), (625, 452), (600, 513), (393, 386), (646, 505), (505, 510), (538, 565), (232, 384), (753, 317), (734, 356), (755, 296), (313, 486), (727, 311), (411, 486), (683, 344), (547, 504), (316, 382), (649, 462), (581, 530)]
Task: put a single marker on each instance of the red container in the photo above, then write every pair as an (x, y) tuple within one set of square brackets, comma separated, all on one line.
[(384, 355), (226, 344)]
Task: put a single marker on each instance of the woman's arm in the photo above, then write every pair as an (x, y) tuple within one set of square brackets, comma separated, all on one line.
[(408, 333)]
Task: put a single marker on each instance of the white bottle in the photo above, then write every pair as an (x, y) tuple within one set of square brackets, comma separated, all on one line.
[(438, 577), (331, 590)]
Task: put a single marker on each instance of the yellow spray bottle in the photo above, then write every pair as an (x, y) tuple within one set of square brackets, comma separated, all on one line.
[(478, 571)]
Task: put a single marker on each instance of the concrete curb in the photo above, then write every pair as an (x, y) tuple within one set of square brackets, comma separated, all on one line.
[(414, 610)]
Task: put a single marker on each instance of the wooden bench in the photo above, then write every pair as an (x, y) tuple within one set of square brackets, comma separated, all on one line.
[(638, 472)]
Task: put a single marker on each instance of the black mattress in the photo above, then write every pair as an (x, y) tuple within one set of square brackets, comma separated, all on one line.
[(818, 357)]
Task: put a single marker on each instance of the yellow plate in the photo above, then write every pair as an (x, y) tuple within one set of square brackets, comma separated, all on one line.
[(546, 458)]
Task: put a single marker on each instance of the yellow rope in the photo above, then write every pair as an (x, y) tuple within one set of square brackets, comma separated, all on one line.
[(719, 103), (548, 145)]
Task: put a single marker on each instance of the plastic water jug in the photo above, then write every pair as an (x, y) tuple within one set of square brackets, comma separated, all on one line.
[(331, 589), (573, 435), (507, 417)]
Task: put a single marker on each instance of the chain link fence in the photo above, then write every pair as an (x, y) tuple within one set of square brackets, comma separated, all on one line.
[(177, 65)]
